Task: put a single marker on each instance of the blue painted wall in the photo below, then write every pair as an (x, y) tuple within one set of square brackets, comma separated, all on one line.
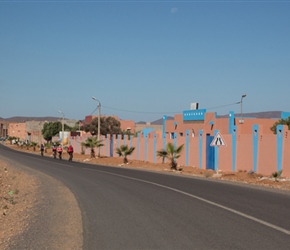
[(146, 131), (146, 147), (200, 147), (155, 147), (187, 134), (285, 115), (194, 115), (210, 153), (234, 147), (164, 124), (280, 134), (231, 121), (255, 135)]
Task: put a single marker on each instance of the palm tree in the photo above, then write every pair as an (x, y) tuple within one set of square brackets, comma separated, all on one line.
[(27, 144), (162, 154), (91, 143), (276, 175), (171, 153), (11, 138), (124, 151)]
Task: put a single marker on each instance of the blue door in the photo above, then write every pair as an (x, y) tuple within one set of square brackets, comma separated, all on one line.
[(209, 153), (111, 145)]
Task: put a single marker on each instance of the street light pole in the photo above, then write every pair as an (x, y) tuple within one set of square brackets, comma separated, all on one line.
[(62, 127), (39, 133), (99, 121), (243, 96)]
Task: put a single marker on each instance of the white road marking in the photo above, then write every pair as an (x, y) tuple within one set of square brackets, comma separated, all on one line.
[(204, 200)]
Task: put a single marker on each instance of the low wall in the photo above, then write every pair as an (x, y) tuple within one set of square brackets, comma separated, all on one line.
[(261, 153)]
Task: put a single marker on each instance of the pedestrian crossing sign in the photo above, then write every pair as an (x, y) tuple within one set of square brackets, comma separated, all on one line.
[(218, 140)]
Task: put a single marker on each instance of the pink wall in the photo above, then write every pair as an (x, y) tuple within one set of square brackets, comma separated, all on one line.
[(181, 126), (286, 154), (266, 157), (244, 153), (127, 125), (193, 160), (182, 159), (268, 149), (267, 161), (225, 154), (159, 146), (18, 130), (264, 125)]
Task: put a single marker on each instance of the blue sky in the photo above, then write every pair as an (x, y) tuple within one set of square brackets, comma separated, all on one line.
[(143, 59)]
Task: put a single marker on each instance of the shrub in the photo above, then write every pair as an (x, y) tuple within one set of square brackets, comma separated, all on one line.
[(277, 174)]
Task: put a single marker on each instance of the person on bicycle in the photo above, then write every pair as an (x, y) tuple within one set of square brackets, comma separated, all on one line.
[(59, 150), (54, 150), (70, 151), (41, 149)]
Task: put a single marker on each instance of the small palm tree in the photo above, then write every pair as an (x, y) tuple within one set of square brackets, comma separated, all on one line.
[(162, 154), (124, 151), (27, 144), (171, 153), (91, 143), (11, 138), (276, 175)]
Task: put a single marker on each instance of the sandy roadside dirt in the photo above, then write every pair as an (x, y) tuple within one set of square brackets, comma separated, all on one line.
[(18, 189), (17, 200)]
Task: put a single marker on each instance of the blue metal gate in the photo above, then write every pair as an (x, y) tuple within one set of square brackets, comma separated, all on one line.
[(111, 145), (209, 153)]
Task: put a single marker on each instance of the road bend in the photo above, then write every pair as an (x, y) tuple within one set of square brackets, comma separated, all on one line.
[(125, 208)]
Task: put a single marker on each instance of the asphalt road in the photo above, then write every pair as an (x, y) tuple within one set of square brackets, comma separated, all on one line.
[(134, 209)]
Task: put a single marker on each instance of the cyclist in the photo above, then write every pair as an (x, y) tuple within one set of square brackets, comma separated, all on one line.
[(41, 149), (70, 151), (59, 150), (54, 150)]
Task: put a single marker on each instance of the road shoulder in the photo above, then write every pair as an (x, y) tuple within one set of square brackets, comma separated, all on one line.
[(46, 215)]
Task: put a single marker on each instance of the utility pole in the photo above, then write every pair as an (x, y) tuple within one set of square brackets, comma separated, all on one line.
[(243, 96), (99, 121), (62, 137)]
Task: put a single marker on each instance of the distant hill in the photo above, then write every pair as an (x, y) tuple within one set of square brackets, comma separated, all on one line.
[(266, 114), (54, 119), (156, 122), (25, 119), (160, 121)]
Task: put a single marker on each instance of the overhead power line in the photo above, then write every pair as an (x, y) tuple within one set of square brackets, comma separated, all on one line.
[(161, 112), (224, 105), (142, 112)]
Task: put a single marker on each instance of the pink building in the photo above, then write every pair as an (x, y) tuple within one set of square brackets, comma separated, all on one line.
[(17, 130), (3, 129), (212, 142)]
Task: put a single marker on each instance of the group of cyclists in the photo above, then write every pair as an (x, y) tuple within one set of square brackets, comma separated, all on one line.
[(59, 150)]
